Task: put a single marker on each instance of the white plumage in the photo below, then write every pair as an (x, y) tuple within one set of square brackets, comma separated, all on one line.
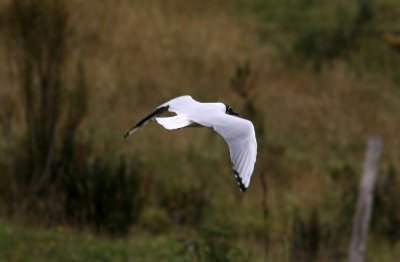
[(237, 132)]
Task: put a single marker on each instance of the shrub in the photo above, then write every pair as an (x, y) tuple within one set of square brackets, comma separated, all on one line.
[(53, 176), (37, 34), (185, 204), (103, 192), (155, 220), (345, 176), (306, 237), (216, 243), (314, 240), (386, 213), (323, 45)]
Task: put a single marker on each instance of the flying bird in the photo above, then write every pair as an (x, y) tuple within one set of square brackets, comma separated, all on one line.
[(238, 132)]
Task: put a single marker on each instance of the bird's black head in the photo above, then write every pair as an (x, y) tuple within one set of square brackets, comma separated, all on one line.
[(229, 111)]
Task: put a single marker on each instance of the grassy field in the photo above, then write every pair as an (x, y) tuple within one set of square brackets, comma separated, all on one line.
[(138, 54), (22, 243), (19, 243)]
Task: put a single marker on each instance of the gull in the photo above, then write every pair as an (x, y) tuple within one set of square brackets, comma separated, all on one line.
[(237, 132)]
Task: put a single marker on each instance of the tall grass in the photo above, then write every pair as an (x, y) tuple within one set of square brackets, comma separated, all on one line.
[(137, 54), (55, 176), (38, 39)]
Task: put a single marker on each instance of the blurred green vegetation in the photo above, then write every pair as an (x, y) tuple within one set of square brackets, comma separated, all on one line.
[(315, 78), (24, 244)]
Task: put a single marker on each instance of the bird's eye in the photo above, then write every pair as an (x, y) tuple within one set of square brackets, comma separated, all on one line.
[(229, 110)]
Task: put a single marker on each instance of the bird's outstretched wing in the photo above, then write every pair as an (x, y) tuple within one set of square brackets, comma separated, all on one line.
[(240, 137), (174, 122), (147, 119), (237, 132), (176, 105)]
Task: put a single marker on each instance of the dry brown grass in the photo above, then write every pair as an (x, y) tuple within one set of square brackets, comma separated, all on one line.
[(138, 54)]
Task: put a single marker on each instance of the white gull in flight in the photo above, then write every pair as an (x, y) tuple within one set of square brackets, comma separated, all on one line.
[(238, 133)]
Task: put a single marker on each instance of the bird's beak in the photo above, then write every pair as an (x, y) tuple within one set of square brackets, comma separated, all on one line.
[(235, 114)]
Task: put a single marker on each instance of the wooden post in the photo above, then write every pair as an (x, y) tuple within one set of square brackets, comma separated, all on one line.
[(365, 200)]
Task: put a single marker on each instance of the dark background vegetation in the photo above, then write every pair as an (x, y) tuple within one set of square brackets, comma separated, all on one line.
[(315, 78)]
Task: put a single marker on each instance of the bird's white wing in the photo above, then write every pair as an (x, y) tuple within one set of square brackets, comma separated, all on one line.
[(181, 104), (174, 122), (177, 105), (237, 132), (240, 135)]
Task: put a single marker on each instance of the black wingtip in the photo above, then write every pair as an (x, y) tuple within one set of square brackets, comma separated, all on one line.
[(239, 181), (145, 120)]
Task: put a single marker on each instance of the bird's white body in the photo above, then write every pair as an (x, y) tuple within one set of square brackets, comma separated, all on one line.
[(238, 132)]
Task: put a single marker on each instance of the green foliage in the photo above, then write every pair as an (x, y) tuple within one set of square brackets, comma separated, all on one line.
[(54, 176), (386, 213), (346, 178), (38, 37), (315, 240), (322, 45), (155, 220), (185, 205), (216, 243), (104, 194), (173, 49), (312, 31), (241, 82), (306, 237), (19, 243)]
